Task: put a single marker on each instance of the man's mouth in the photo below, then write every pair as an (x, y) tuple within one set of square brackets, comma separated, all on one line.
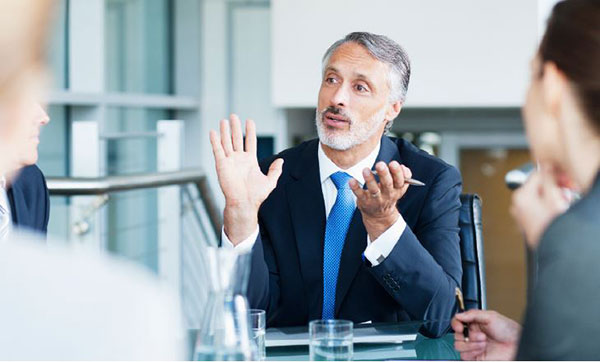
[(335, 120)]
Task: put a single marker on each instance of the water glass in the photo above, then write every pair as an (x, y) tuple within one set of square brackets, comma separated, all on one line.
[(258, 321), (330, 340)]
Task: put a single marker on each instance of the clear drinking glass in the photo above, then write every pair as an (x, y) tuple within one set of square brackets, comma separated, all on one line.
[(258, 321), (331, 340)]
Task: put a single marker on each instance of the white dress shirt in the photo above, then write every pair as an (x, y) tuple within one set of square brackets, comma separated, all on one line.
[(5, 216), (376, 251)]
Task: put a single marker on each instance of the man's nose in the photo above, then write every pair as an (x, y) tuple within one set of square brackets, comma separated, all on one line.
[(340, 97)]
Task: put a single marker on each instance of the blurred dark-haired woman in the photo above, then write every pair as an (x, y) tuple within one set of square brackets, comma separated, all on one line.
[(562, 121)]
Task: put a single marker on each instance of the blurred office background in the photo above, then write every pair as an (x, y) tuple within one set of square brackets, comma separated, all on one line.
[(123, 67)]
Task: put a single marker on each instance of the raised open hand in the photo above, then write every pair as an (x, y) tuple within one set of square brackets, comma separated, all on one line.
[(244, 185)]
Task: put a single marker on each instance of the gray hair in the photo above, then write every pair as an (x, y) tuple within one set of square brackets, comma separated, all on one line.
[(387, 51)]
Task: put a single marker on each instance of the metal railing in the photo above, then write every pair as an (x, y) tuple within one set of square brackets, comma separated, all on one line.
[(199, 214), (80, 186)]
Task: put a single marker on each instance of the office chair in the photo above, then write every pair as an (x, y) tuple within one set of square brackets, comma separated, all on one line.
[(471, 249)]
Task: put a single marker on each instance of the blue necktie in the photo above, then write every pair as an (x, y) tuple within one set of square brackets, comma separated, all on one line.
[(335, 235)]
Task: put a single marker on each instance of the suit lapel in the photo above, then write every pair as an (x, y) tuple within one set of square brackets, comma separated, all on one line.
[(307, 208), (388, 151), (356, 240), (18, 210)]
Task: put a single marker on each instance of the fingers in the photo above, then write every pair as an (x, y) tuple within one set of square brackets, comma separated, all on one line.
[(536, 204), (407, 172), (226, 137), (475, 335), (274, 172), (386, 181), (371, 183), (462, 346), (469, 350), (473, 316), (356, 189), (234, 141), (522, 197), (532, 184), (236, 133), (397, 174), (216, 146), (457, 327), (551, 191), (391, 178), (472, 356), (250, 137)]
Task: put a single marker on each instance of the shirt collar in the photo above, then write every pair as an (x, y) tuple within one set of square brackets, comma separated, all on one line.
[(328, 168), (3, 182)]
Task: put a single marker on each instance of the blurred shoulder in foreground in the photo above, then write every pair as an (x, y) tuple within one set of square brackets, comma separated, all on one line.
[(62, 303)]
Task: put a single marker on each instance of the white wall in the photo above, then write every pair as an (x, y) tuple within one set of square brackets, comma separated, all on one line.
[(544, 10), (465, 53), (250, 85)]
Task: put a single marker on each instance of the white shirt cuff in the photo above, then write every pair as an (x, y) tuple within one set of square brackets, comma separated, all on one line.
[(379, 249), (243, 247)]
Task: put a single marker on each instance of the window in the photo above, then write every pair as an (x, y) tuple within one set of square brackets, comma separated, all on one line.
[(138, 46), (129, 43)]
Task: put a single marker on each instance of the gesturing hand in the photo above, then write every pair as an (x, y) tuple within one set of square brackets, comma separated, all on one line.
[(492, 336), (378, 202), (244, 185)]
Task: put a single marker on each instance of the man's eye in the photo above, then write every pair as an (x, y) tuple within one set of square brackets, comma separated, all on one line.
[(361, 88), (330, 80)]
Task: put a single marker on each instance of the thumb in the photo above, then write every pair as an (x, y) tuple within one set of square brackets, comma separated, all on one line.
[(274, 172), (456, 325)]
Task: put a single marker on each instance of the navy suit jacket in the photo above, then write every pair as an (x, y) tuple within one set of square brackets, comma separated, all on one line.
[(29, 200), (415, 282)]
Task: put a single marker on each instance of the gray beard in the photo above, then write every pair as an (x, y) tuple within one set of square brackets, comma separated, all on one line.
[(358, 133)]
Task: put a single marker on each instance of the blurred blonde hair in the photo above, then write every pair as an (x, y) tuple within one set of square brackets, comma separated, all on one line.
[(23, 32)]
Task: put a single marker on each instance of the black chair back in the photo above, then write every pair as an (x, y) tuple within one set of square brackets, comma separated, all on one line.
[(471, 248)]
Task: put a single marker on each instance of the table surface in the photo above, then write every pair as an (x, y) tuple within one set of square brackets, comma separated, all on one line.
[(422, 348)]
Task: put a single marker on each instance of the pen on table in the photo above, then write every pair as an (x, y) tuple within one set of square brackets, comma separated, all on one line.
[(410, 181), (461, 309)]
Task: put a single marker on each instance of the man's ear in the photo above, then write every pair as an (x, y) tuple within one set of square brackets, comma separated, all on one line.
[(393, 110), (554, 85)]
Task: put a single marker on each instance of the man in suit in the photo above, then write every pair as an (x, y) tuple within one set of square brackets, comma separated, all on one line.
[(25, 200), (334, 227)]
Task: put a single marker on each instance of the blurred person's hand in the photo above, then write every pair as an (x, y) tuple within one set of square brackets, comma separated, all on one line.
[(492, 336), (537, 203), (244, 185)]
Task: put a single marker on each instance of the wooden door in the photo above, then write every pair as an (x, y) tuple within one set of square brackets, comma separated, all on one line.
[(483, 172)]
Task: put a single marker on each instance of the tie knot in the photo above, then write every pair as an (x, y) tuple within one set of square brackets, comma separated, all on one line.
[(340, 179)]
